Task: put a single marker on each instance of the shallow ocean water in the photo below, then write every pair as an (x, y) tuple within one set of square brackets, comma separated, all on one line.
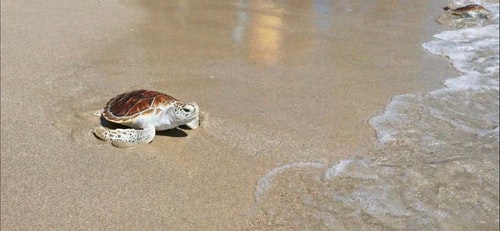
[(435, 165)]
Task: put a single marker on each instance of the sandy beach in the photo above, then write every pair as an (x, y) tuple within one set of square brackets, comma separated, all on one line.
[(277, 83)]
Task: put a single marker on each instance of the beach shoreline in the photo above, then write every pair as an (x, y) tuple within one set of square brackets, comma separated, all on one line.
[(290, 88)]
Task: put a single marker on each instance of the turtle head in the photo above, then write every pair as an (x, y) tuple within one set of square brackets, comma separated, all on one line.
[(186, 112)]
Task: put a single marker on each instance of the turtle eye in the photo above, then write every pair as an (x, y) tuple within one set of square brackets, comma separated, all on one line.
[(188, 109)]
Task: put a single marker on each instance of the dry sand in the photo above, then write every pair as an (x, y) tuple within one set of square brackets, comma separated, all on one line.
[(280, 83)]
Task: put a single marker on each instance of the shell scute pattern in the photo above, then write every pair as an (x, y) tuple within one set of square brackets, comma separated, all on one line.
[(129, 106)]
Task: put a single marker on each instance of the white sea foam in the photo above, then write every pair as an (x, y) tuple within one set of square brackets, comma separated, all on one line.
[(335, 170), (264, 183), (471, 81), (453, 127), (472, 51)]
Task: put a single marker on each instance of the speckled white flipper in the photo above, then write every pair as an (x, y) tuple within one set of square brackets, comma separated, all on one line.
[(125, 138)]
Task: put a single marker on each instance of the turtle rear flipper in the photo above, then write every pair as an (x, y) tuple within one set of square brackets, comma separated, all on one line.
[(125, 138)]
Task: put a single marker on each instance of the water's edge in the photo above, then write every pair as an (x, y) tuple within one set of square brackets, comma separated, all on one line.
[(434, 167)]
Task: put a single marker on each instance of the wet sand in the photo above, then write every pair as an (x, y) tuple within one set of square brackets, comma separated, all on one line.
[(279, 83)]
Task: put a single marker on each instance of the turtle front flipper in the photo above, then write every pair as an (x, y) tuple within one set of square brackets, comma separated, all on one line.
[(125, 138)]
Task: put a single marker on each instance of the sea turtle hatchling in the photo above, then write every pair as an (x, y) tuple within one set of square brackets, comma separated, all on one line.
[(145, 112), (470, 11)]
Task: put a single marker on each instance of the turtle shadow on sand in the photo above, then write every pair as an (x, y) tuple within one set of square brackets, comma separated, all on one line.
[(174, 132)]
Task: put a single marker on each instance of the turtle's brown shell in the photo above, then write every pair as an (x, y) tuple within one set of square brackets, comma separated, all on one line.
[(128, 106)]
